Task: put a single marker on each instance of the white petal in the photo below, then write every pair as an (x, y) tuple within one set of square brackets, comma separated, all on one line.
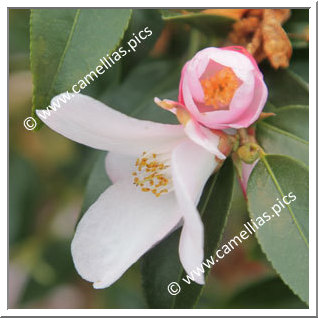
[(196, 132), (90, 122), (191, 167), (203, 137), (119, 167), (118, 229)]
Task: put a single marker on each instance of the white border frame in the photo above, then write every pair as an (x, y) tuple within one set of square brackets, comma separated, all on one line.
[(312, 163)]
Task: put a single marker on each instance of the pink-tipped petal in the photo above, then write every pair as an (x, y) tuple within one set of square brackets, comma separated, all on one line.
[(252, 113), (247, 101), (244, 51), (180, 96)]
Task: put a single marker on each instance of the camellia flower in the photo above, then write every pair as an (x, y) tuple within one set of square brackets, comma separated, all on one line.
[(223, 88), (158, 173)]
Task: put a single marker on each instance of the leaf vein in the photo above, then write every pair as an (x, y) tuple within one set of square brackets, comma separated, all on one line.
[(283, 132), (271, 173), (64, 52)]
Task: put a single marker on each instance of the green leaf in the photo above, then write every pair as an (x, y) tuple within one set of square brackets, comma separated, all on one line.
[(211, 24), (140, 19), (285, 87), (67, 44), (286, 133), (135, 96), (293, 119), (161, 265), (270, 293), (284, 237)]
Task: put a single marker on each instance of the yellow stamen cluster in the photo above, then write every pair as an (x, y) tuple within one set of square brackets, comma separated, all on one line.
[(219, 89), (151, 175)]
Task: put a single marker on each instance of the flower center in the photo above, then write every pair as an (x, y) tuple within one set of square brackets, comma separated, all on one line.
[(153, 173), (219, 88)]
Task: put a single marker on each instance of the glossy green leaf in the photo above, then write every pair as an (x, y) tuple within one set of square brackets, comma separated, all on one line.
[(161, 265), (135, 96), (269, 293), (286, 133), (211, 24), (59, 58), (284, 236), (285, 87), (140, 19)]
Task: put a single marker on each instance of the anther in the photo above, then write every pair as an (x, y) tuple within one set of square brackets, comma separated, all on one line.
[(152, 174), (220, 88)]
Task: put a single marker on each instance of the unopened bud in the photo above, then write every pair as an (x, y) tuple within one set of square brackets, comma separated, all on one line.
[(249, 152)]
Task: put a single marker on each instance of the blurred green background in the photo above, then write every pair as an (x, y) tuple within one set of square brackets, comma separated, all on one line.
[(48, 174)]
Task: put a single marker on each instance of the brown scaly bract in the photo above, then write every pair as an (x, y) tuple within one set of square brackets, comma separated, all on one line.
[(261, 32)]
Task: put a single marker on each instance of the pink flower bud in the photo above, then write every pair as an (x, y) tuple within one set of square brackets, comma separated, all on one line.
[(223, 88)]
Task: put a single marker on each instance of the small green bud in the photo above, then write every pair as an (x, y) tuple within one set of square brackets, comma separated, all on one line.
[(249, 152)]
